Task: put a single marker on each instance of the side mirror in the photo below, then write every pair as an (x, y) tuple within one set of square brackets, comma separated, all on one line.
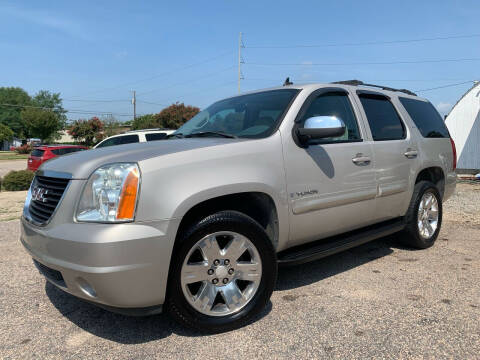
[(319, 127)]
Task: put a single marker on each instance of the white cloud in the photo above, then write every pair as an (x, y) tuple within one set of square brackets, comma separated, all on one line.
[(121, 54), (46, 18), (444, 107)]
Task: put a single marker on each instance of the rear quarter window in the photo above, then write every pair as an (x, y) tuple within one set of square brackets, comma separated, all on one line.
[(37, 153), (155, 136), (426, 118)]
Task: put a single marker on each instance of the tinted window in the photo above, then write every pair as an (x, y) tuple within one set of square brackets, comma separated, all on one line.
[(251, 116), (58, 151), (71, 150), (119, 140), (426, 118), (37, 152), (338, 105), (155, 136), (382, 117)]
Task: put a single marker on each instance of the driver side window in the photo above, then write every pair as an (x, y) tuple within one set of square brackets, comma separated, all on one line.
[(338, 105)]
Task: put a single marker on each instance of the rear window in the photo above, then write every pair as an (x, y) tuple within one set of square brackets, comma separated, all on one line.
[(37, 153), (426, 118), (383, 119), (155, 136)]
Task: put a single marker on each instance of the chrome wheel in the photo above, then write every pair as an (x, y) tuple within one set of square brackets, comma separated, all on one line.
[(221, 273), (427, 218)]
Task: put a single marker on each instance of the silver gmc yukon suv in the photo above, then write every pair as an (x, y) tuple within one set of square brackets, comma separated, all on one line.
[(198, 223)]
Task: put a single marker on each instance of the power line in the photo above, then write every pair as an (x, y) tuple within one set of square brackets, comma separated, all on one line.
[(164, 73), (366, 63), (445, 86), (187, 82), (72, 111), (86, 100), (368, 43)]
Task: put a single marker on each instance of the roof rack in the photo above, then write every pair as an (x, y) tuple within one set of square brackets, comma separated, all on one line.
[(361, 83), (152, 129)]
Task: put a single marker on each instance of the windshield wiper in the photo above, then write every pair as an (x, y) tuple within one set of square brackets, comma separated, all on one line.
[(206, 133), (178, 135)]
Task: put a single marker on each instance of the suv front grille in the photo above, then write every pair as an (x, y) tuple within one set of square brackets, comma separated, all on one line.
[(46, 194)]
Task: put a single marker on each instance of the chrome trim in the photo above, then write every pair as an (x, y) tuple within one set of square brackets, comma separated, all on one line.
[(54, 174), (26, 206)]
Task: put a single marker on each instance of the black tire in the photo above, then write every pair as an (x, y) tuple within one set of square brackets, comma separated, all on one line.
[(411, 235), (177, 304)]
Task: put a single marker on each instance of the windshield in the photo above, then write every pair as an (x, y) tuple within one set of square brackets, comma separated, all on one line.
[(248, 116)]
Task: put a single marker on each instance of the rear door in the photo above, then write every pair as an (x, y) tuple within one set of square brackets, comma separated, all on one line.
[(395, 154)]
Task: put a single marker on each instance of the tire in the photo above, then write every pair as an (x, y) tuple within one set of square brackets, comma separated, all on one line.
[(414, 236), (189, 302)]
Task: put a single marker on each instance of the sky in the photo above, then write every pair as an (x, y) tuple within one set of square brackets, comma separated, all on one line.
[(95, 53)]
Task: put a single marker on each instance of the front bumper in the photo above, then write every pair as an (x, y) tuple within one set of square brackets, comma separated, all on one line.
[(113, 265)]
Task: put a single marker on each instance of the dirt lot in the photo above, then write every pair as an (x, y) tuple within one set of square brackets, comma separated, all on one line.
[(380, 300)]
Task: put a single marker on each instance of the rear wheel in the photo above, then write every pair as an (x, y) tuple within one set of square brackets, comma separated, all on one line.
[(224, 273), (424, 216)]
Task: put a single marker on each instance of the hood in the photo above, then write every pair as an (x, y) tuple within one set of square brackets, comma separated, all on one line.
[(81, 164)]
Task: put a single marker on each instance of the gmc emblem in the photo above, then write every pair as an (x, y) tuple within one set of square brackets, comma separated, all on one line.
[(38, 194)]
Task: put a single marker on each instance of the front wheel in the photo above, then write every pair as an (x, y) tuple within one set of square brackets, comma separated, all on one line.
[(223, 273), (424, 216)]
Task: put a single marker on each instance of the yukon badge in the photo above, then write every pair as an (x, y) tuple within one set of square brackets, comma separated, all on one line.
[(38, 194), (303, 193)]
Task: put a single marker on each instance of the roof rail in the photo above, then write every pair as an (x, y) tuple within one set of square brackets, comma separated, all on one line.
[(361, 83), (151, 129)]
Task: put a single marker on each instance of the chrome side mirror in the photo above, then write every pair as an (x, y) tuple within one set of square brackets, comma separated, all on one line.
[(319, 127)]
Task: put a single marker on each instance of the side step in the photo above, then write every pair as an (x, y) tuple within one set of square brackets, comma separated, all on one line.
[(325, 247)]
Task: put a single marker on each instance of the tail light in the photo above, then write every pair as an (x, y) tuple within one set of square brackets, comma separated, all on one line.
[(454, 151)]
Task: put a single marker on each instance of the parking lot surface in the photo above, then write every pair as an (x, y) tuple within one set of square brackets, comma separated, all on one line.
[(380, 300)]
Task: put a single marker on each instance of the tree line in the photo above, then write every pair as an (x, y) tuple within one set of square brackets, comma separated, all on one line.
[(43, 116)]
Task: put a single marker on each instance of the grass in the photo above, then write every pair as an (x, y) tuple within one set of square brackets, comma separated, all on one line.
[(12, 155)]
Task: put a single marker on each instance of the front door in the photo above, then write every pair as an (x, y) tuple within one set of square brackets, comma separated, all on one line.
[(331, 183)]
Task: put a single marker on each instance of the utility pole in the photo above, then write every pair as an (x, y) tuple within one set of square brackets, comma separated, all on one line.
[(240, 60), (134, 102)]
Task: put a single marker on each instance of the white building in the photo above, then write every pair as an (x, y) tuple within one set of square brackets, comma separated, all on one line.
[(463, 123)]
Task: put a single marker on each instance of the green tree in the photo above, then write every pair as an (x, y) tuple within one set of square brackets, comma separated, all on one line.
[(87, 131), (42, 124), (144, 122), (175, 115), (49, 100), (5, 133), (10, 115)]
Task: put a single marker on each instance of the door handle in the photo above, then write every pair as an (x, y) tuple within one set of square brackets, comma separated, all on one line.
[(361, 159), (411, 154)]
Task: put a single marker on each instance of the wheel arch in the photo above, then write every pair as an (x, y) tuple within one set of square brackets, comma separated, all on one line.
[(435, 175)]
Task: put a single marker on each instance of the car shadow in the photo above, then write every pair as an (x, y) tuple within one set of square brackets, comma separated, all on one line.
[(135, 330), (120, 328)]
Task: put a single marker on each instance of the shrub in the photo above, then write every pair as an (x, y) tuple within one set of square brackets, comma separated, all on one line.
[(24, 149), (18, 180)]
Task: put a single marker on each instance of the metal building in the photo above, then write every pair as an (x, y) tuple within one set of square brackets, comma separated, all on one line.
[(463, 123)]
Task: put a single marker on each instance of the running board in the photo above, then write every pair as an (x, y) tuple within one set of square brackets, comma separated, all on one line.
[(325, 247)]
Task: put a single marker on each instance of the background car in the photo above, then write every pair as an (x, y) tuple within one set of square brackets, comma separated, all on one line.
[(135, 136), (40, 154)]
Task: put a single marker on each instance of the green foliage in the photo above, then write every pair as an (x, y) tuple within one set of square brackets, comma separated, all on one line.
[(171, 117), (42, 124), (87, 131), (144, 122), (5, 133), (18, 180), (176, 115), (11, 115)]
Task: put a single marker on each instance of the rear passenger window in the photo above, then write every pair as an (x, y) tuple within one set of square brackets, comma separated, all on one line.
[(128, 139), (335, 104), (384, 121), (155, 136), (426, 118)]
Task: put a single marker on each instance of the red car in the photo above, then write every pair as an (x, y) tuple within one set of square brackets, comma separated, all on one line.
[(40, 154)]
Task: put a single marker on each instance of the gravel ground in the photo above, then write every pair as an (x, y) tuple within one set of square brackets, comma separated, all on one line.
[(11, 204), (8, 165), (380, 300)]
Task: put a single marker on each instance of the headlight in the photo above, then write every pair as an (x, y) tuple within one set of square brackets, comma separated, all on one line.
[(110, 194)]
